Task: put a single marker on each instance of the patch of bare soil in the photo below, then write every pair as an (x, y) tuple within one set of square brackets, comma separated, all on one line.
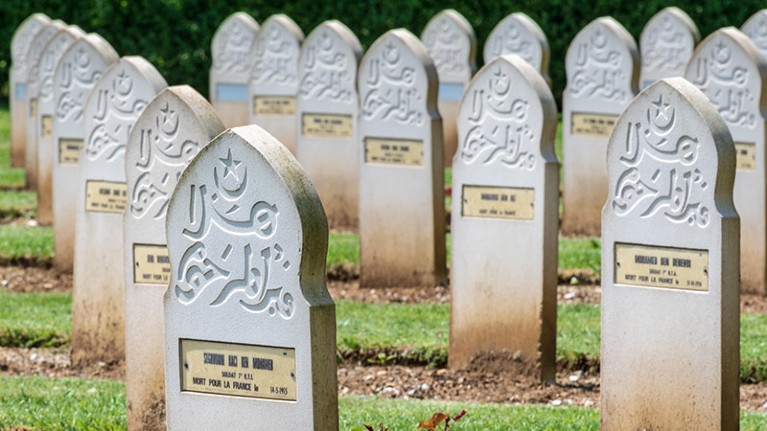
[(352, 291), (54, 363), (34, 278)]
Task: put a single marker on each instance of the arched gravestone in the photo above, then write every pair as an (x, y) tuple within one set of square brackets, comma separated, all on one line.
[(602, 70), (729, 69), (506, 191), (519, 34), (169, 133), (20, 56), (670, 301), (452, 45), (756, 29), (98, 296), (247, 313), (327, 108), (78, 71), (274, 79), (666, 45), (402, 209), (33, 88), (46, 107), (230, 72)]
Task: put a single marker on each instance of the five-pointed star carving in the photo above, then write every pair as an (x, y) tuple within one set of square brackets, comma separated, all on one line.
[(661, 108), (167, 115), (230, 165)]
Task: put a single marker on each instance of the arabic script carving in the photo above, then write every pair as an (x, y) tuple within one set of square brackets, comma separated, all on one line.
[(597, 71), (448, 46), (390, 91), (511, 36), (79, 70), (231, 47), (328, 69), (667, 45), (275, 58), (756, 29)]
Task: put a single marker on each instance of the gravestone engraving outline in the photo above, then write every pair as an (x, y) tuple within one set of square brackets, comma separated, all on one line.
[(755, 28), (519, 34), (666, 45)]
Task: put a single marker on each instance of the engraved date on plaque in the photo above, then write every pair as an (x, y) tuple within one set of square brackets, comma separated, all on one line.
[(327, 125), (497, 202), (69, 151), (238, 369), (664, 267), (151, 264), (394, 151), (274, 105), (46, 126), (745, 156), (106, 196), (599, 125)]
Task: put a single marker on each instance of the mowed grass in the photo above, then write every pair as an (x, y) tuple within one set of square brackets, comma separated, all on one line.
[(10, 178), (35, 319), (34, 243)]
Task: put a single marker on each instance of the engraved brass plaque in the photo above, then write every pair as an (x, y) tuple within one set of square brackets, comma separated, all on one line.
[(238, 369), (671, 268), (33, 108), (394, 151), (69, 151), (46, 126), (745, 159), (151, 264), (327, 125), (599, 125), (106, 196), (274, 105), (497, 202)]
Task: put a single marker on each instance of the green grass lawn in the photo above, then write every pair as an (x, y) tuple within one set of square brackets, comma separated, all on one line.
[(10, 178), (35, 319), (34, 243)]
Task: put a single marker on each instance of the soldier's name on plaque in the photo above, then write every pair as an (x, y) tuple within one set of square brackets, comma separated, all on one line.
[(151, 264), (46, 126), (274, 105), (238, 369), (69, 151), (599, 125), (327, 125), (106, 196), (403, 152), (661, 267), (497, 202), (745, 156)]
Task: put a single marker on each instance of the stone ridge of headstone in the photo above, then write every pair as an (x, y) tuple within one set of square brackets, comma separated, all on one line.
[(521, 35), (755, 28), (666, 45)]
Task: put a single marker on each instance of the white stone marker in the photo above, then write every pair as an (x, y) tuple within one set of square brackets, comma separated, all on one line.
[(274, 78), (452, 45), (77, 73), (519, 34), (247, 315), (666, 45), (602, 69), (402, 208), (46, 108), (756, 29), (327, 108), (506, 191), (98, 297), (173, 128), (21, 45), (230, 72), (729, 69), (670, 301)]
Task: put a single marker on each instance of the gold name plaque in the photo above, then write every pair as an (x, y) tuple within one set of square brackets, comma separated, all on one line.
[(33, 108), (151, 264), (497, 202), (106, 197), (69, 151), (238, 369), (671, 268), (327, 125), (394, 151), (745, 156), (274, 105), (599, 125)]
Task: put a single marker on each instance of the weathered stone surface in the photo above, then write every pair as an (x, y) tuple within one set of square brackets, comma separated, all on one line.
[(248, 240), (98, 296), (230, 72), (519, 34), (402, 210), (729, 69), (756, 29), (327, 109), (666, 45), (452, 45), (602, 69), (670, 301), (505, 192)]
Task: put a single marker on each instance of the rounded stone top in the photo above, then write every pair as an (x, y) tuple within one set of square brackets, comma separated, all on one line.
[(450, 40), (521, 35), (755, 27), (237, 29), (668, 41), (275, 52), (23, 37)]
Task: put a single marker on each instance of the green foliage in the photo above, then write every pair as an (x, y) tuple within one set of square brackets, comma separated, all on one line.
[(21, 242), (10, 178), (35, 319)]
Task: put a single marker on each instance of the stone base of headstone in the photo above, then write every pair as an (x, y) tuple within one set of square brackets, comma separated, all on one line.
[(448, 110), (581, 200), (30, 164), (18, 133), (282, 127), (64, 231), (44, 187), (233, 114)]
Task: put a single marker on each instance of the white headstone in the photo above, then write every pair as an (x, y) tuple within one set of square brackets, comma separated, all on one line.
[(230, 72), (670, 302), (729, 69), (666, 45), (274, 79), (247, 315), (402, 209), (452, 45), (505, 191), (21, 45), (602, 66), (519, 34), (98, 295), (173, 128), (327, 108), (756, 29)]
